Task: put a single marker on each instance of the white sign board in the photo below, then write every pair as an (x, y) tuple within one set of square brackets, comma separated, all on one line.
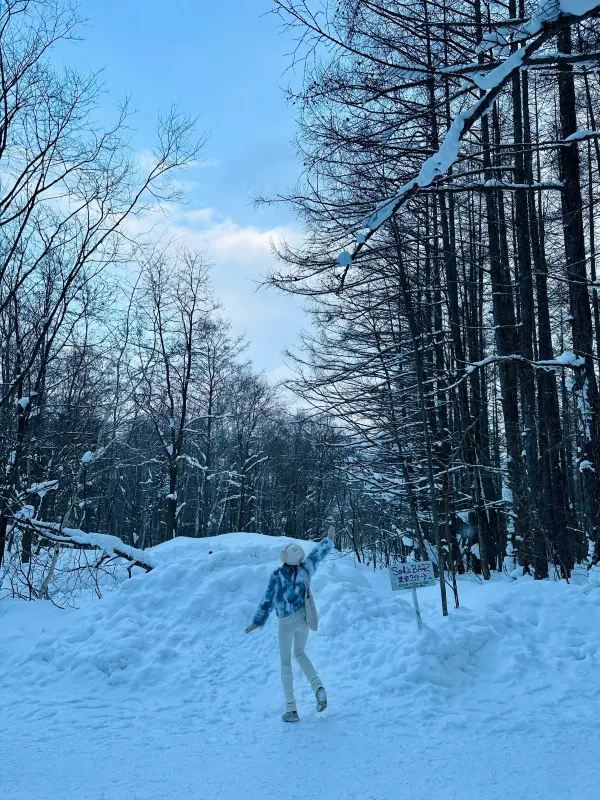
[(412, 574)]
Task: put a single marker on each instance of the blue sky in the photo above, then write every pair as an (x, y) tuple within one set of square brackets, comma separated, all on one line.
[(224, 62)]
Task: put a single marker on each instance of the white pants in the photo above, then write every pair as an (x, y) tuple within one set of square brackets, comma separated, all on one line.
[(293, 630)]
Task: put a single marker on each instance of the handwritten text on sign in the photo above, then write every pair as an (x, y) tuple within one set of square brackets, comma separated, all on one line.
[(412, 575)]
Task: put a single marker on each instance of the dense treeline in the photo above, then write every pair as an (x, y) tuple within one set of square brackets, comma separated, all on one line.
[(150, 424), (449, 384), (460, 337)]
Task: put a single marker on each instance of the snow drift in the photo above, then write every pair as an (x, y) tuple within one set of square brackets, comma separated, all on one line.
[(184, 621)]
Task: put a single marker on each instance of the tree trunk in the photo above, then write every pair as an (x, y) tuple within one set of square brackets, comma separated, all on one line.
[(586, 386)]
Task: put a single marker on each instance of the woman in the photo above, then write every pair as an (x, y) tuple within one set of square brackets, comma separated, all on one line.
[(286, 592)]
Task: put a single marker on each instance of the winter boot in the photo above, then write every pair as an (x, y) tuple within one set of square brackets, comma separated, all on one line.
[(321, 696), (291, 716)]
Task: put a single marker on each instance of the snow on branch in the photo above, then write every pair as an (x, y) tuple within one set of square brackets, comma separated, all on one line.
[(485, 362), (493, 184), (73, 537), (553, 15), (566, 359), (580, 136)]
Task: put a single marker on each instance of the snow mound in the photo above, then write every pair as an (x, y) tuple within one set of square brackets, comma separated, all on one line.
[(157, 629), (178, 630)]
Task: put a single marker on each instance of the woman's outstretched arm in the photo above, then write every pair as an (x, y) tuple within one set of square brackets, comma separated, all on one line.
[(314, 558)]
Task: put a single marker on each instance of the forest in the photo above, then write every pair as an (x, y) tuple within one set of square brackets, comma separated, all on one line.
[(445, 396)]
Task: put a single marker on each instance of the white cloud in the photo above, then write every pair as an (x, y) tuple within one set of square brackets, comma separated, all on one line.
[(242, 255), (225, 239)]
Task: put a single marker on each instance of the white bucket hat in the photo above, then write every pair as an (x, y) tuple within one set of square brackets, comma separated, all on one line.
[(292, 554)]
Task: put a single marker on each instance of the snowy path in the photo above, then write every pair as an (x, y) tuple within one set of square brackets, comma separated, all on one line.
[(155, 693)]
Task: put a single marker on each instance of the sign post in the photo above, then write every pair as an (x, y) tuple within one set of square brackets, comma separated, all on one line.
[(417, 610), (412, 575)]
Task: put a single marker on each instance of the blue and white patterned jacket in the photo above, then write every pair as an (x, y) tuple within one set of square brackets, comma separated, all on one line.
[(287, 585)]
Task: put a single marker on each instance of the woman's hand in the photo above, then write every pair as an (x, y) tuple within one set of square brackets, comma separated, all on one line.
[(252, 627)]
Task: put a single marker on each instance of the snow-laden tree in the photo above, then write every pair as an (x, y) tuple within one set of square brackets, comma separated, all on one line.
[(448, 148)]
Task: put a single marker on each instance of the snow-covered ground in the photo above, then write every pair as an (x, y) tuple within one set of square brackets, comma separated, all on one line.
[(156, 693)]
